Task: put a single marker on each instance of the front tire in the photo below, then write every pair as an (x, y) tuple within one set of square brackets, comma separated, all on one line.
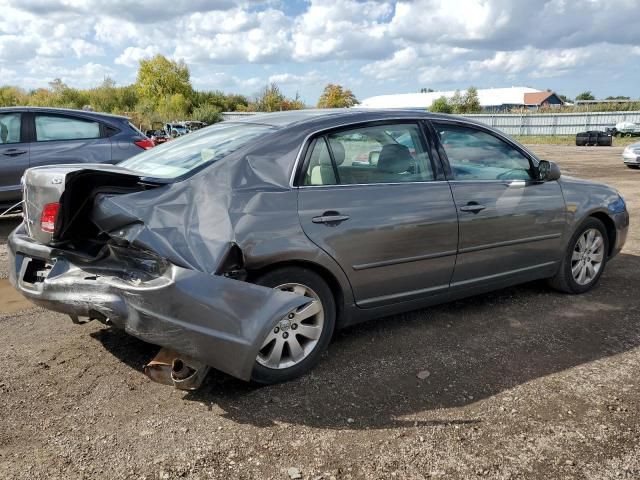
[(584, 260), (294, 345)]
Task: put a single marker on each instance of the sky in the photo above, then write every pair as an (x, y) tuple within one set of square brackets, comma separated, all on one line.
[(372, 47)]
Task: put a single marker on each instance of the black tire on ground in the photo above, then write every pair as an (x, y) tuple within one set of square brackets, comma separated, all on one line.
[(582, 139), (635, 167), (265, 375), (563, 280), (605, 140)]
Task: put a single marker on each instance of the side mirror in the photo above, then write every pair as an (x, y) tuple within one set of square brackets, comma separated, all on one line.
[(548, 171)]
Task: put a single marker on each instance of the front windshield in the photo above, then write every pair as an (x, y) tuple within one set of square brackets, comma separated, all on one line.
[(185, 154)]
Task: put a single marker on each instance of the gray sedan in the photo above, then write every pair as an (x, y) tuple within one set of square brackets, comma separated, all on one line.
[(35, 136), (243, 246)]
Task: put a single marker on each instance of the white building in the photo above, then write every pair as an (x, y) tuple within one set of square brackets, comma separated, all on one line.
[(491, 99)]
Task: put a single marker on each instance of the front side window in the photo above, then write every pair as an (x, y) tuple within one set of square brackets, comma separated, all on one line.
[(185, 154), (476, 155), (10, 124), (374, 154), (55, 127)]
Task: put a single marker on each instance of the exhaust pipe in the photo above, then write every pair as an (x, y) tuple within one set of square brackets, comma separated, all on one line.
[(171, 368)]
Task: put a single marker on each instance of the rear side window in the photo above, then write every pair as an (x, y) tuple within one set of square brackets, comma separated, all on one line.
[(55, 127), (10, 124), (477, 155), (135, 129), (374, 154), (190, 152)]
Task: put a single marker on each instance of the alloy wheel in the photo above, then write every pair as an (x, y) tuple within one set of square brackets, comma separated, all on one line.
[(295, 336), (587, 257)]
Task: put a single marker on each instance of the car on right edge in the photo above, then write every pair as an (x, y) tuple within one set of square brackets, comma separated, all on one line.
[(631, 155)]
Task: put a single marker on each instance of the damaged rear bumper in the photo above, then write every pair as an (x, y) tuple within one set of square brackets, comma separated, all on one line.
[(217, 320)]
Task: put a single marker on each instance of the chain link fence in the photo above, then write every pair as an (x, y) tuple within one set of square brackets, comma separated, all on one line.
[(533, 123)]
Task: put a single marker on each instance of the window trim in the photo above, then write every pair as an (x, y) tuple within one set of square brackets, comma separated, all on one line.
[(34, 133), (533, 160), (304, 155)]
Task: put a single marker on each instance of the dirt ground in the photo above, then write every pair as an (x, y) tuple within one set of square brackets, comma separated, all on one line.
[(523, 383)]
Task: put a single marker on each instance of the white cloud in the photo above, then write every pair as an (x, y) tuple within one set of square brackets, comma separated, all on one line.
[(82, 48), (409, 42), (542, 63), (221, 80), (88, 75), (132, 55), (308, 78), (265, 40), (339, 29), (400, 63), (438, 74)]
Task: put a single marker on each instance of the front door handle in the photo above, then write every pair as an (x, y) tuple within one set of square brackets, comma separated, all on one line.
[(330, 218), (472, 207), (14, 152)]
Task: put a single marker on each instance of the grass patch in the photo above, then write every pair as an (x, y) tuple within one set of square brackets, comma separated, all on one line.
[(567, 140)]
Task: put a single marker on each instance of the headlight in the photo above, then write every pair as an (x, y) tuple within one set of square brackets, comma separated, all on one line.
[(617, 206)]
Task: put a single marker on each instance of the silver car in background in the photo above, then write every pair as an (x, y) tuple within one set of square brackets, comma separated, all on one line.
[(631, 155)]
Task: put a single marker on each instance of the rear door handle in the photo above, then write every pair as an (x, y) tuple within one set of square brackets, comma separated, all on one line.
[(14, 152), (472, 207), (330, 217)]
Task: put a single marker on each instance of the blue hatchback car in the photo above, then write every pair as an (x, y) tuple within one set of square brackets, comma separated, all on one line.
[(32, 136)]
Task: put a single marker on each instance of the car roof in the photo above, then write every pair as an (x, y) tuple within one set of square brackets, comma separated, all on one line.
[(301, 117), (68, 111)]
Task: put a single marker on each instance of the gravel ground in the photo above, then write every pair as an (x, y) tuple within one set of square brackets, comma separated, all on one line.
[(5, 227), (521, 383)]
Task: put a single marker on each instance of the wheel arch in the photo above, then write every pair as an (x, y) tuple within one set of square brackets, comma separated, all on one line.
[(323, 272), (610, 227)]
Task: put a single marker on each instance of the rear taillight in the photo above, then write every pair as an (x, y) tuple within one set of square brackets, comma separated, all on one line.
[(145, 143), (48, 217)]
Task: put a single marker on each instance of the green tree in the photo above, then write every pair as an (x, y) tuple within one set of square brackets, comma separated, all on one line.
[(271, 99), (159, 78), (471, 101), (12, 96), (336, 96), (207, 113), (456, 102), (441, 105), (173, 107), (619, 97), (585, 96), (565, 99)]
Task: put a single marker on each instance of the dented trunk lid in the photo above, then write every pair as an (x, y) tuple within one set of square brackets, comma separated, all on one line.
[(44, 185)]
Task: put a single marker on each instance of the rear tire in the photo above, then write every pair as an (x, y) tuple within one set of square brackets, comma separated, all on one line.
[(635, 167), (568, 279), (316, 288)]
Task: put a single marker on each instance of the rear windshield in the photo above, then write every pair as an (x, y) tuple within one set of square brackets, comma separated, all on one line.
[(185, 154)]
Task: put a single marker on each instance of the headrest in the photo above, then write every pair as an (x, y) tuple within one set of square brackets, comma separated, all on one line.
[(394, 158), (338, 151), (320, 155)]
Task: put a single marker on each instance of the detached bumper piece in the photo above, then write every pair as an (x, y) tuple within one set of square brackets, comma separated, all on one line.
[(209, 320)]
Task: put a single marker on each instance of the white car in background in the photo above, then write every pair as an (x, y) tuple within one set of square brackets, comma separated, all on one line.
[(627, 129), (631, 155)]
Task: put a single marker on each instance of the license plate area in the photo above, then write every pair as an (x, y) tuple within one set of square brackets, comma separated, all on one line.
[(36, 271)]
